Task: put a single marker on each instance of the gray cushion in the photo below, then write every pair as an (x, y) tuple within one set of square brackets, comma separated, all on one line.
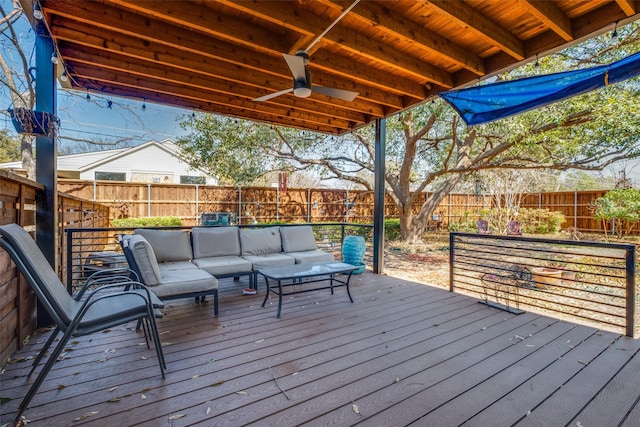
[(223, 265), (179, 265), (269, 260), (308, 257), (168, 245), (215, 241), (298, 238), (179, 282), (260, 241), (145, 259)]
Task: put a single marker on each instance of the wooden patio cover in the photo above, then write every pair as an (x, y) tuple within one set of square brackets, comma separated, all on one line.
[(218, 56)]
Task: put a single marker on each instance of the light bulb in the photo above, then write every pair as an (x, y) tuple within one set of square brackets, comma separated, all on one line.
[(37, 12), (54, 58), (64, 77)]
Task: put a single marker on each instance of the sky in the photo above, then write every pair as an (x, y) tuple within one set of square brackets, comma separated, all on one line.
[(92, 119)]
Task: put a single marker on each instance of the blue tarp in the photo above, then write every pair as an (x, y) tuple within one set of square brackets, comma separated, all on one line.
[(482, 104)]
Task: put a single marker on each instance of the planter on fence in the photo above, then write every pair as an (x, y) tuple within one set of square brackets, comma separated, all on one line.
[(546, 276), (36, 123)]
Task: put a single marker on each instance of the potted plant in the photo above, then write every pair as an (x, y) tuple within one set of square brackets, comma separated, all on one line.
[(36, 123)]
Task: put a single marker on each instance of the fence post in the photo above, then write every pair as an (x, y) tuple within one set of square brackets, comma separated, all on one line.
[(452, 250), (575, 210), (69, 262), (197, 204), (309, 204), (148, 199), (239, 205), (630, 259)]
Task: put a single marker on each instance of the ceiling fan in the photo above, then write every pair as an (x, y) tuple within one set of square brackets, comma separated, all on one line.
[(302, 87)]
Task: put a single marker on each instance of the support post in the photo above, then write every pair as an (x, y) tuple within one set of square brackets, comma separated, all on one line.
[(46, 162), (378, 196)]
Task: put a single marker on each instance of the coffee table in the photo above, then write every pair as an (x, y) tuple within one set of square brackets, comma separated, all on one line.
[(301, 274)]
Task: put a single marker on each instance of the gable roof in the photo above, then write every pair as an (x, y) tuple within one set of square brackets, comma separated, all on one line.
[(81, 162)]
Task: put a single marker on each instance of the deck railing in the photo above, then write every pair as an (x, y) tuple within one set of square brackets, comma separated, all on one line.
[(592, 282), (18, 205), (88, 249)]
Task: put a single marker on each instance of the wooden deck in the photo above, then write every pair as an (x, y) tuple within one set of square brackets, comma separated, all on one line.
[(403, 353)]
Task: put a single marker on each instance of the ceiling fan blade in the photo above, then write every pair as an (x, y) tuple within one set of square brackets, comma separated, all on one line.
[(273, 95), (296, 65), (345, 95)]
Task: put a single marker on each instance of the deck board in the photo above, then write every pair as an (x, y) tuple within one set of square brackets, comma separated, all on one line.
[(403, 352)]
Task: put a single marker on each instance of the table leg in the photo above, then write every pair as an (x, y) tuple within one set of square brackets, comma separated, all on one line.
[(279, 298), (266, 294), (347, 285), (331, 283)]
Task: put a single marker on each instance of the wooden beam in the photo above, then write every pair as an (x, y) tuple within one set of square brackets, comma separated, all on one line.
[(304, 20), (152, 35), (627, 6), (202, 105), (482, 26), (376, 14), (106, 78), (75, 54), (551, 17)]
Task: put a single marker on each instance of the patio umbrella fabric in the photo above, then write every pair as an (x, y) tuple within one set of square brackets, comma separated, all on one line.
[(482, 104)]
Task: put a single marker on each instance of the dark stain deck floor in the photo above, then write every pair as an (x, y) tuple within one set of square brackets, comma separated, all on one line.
[(403, 354)]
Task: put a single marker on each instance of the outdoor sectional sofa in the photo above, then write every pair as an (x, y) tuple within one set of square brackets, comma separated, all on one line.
[(177, 263)]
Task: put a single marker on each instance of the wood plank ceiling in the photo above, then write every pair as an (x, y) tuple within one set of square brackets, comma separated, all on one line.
[(218, 56)]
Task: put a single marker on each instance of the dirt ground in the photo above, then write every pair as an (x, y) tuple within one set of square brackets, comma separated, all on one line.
[(426, 262)]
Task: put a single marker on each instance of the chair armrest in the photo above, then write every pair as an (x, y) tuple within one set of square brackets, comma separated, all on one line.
[(131, 287), (111, 276)]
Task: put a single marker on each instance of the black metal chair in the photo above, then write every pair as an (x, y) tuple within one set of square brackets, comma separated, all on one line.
[(93, 309)]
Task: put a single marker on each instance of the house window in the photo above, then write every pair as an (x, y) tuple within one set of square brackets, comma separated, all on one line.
[(186, 179), (111, 176)]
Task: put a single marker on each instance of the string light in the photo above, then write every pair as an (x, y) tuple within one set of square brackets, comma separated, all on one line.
[(109, 104), (144, 105), (614, 35), (37, 12), (54, 58), (88, 96), (64, 76), (537, 64), (193, 113)]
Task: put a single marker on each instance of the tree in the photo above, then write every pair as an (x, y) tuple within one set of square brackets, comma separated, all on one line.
[(429, 148), (16, 78), (621, 207), (9, 147)]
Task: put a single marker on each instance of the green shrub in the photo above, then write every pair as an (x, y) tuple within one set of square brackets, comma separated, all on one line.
[(392, 229), (159, 221)]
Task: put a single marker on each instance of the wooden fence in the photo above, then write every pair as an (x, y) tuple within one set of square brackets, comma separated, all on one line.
[(263, 204), (18, 205)]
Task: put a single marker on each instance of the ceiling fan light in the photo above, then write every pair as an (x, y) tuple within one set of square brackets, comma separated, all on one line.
[(302, 92)]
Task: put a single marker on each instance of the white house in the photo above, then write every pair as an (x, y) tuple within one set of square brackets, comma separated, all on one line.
[(153, 161)]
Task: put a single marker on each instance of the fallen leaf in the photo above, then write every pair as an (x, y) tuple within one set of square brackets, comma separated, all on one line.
[(355, 409), (195, 376), (85, 415), (113, 388), (208, 411), (294, 374), (217, 383), (166, 343), (212, 360), (176, 416), (114, 400), (259, 341), (106, 331), (5, 399), (142, 396), (61, 386), (243, 393), (145, 390), (143, 357)]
